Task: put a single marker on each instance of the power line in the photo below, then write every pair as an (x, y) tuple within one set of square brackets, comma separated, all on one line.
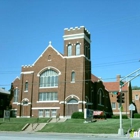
[(116, 63), (92, 66)]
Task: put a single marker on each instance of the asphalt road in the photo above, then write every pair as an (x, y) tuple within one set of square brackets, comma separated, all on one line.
[(57, 136)]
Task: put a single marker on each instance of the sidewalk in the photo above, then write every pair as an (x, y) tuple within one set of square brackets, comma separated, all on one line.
[(80, 134)]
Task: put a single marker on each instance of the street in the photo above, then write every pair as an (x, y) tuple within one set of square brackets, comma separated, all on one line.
[(58, 136)]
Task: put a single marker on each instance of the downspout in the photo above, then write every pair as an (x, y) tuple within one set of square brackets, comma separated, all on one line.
[(21, 97), (83, 97), (64, 111), (32, 95)]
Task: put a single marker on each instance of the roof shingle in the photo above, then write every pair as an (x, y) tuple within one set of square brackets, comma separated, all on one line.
[(3, 91), (114, 86)]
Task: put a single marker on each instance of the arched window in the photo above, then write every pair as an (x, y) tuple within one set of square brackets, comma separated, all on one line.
[(78, 49), (49, 57), (26, 86), (49, 78), (100, 96), (87, 52), (73, 76), (16, 95), (69, 50), (72, 101), (25, 102)]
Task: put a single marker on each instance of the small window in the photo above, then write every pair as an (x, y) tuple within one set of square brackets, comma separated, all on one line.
[(73, 76), (49, 58), (26, 86), (87, 52), (40, 113), (136, 97), (113, 105), (25, 102), (53, 113), (47, 113), (69, 50), (78, 49)]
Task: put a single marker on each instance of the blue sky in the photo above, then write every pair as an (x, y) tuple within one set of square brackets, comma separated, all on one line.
[(27, 26)]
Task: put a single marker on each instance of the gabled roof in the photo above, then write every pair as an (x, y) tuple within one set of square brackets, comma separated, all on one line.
[(3, 91), (114, 86), (94, 78), (110, 86), (50, 45), (16, 79)]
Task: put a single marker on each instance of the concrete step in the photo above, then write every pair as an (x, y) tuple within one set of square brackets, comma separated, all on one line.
[(54, 120), (35, 127), (40, 126), (62, 120), (29, 128)]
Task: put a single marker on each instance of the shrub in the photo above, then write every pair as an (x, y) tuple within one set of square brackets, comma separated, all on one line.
[(136, 115), (124, 116), (78, 115), (115, 117), (118, 116)]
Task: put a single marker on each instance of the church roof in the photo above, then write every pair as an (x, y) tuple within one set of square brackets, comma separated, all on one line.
[(3, 91), (115, 86), (94, 78)]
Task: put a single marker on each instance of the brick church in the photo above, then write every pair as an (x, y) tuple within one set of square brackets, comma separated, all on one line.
[(60, 83)]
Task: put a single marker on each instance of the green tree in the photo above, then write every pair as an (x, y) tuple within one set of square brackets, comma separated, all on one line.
[(135, 88)]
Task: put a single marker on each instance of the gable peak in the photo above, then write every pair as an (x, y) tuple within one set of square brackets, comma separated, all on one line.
[(50, 44)]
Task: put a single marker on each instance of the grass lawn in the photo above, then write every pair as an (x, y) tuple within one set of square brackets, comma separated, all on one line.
[(71, 125), (16, 124), (103, 126)]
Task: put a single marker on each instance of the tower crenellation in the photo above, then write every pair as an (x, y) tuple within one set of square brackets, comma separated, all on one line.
[(76, 30), (26, 66)]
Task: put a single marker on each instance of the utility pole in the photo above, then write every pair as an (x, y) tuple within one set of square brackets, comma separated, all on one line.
[(123, 82), (120, 131)]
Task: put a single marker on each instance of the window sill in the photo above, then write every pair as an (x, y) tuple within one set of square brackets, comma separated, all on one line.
[(15, 103), (56, 101), (113, 108), (48, 87), (26, 91)]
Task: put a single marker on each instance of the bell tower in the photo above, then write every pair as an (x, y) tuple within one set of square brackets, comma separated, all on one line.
[(77, 66), (77, 42)]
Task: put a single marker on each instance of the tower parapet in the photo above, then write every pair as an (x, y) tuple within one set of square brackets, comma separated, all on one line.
[(77, 42), (27, 66), (75, 31)]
